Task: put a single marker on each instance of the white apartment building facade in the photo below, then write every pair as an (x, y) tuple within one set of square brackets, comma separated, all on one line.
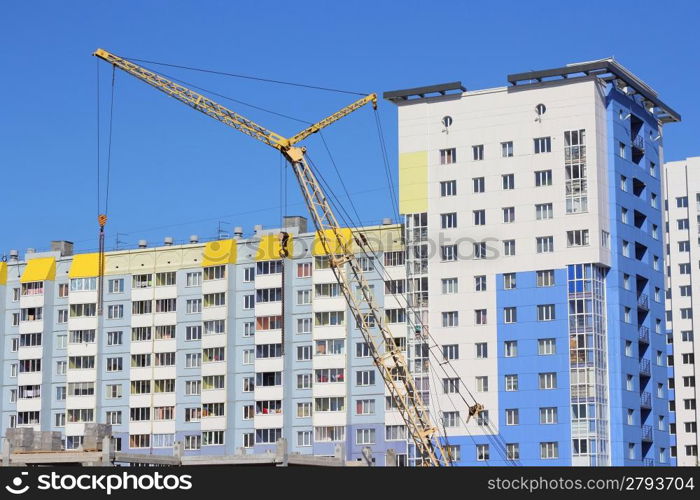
[(682, 209)]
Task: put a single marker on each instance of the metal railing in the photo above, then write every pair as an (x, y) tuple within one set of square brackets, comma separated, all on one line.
[(645, 400), (644, 334)]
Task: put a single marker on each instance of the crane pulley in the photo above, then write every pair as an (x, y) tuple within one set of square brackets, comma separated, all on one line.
[(388, 357)]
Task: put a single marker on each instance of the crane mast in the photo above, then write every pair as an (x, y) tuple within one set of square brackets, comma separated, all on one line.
[(388, 358)]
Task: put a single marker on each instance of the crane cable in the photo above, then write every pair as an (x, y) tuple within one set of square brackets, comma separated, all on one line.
[(102, 215)]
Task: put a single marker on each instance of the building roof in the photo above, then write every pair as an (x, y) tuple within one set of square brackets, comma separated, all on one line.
[(607, 69), (422, 92)]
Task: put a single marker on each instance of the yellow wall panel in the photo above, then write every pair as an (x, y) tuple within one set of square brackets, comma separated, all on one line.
[(346, 239), (220, 252), (413, 182), (270, 246), (39, 269), (3, 273), (85, 265)]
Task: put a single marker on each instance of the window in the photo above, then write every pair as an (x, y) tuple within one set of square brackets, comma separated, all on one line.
[(365, 377), (214, 273), (543, 178), (448, 188), (508, 248), (684, 246), (509, 280), (508, 181), (544, 211), (448, 221), (548, 380), (137, 307), (303, 353), (449, 285), (577, 238), (545, 244), (508, 215), (448, 156), (482, 384), (510, 315), (507, 149), (249, 301), (450, 351), (682, 202), (479, 250), (548, 415), (304, 325), (331, 318), (482, 452), (448, 253), (194, 279), (479, 217), (543, 145), (512, 416), (478, 152), (621, 149), (214, 438), (510, 348), (193, 387), (549, 450), (194, 305), (397, 258), (450, 418), (365, 407), (546, 347), (165, 279), (304, 270), (114, 364), (365, 436), (545, 312), (329, 433), (512, 451), (450, 385), (479, 184), (115, 311), (304, 381), (482, 351), (450, 319), (629, 382), (193, 333), (545, 278), (303, 297), (479, 283)]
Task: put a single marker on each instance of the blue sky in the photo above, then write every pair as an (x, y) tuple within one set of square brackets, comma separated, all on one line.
[(176, 172)]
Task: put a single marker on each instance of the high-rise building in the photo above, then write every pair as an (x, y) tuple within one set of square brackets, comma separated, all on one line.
[(534, 230), (682, 206), (219, 345)]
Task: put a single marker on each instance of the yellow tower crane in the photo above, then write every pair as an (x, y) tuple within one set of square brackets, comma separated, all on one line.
[(387, 356)]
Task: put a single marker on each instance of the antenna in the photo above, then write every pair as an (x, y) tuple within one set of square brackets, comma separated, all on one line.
[(118, 241), (222, 234)]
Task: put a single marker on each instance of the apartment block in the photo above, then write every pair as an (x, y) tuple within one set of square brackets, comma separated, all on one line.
[(535, 260), (220, 345), (682, 220)]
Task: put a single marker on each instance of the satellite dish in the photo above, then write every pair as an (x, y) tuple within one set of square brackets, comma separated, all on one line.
[(540, 109)]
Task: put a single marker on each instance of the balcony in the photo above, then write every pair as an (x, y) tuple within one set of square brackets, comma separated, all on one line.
[(645, 367), (647, 434), (644, 334), (648, 462), (643, 301), (638, 143), (645, 400)]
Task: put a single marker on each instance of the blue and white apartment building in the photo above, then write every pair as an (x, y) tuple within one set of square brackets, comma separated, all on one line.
[(531, 252), (536, 213)]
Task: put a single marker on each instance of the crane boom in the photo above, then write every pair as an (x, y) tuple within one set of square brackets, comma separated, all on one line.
[(385, 351)]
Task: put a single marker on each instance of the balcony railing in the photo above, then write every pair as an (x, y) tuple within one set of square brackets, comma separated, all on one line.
[(645, 400), (638, 143), (643, 301), (647, 434), (644, 334), (648, 462), (644, 367)]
